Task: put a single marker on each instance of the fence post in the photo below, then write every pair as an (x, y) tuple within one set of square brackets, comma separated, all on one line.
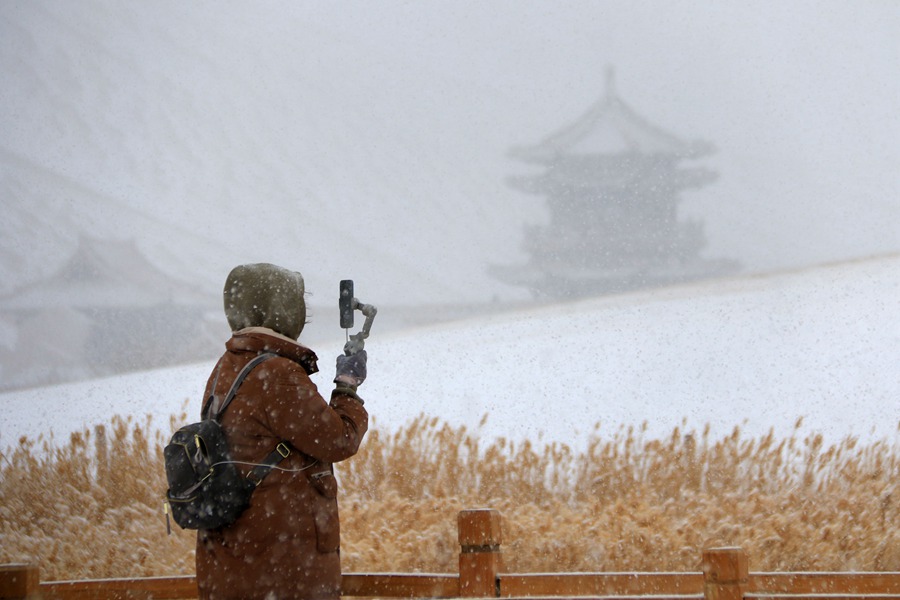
[(19, 582), (479, 556), (725, 573)]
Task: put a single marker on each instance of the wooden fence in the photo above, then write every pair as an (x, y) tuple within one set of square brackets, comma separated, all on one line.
[(725, 575)]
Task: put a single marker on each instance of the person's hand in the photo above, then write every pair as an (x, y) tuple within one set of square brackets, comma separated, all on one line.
[(351, 370)]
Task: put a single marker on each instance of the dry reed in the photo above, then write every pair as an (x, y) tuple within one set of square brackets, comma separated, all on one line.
[(92, 507)]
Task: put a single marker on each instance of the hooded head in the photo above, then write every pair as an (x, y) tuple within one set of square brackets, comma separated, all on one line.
[(264, 295)]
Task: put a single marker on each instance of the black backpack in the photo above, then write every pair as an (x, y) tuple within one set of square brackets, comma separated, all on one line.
[(206, 490)]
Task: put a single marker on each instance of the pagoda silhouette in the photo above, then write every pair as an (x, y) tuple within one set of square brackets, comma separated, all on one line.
[(105, 310), (611, 182)]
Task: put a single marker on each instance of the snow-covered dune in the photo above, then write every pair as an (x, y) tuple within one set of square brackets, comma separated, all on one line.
[(758, 352)]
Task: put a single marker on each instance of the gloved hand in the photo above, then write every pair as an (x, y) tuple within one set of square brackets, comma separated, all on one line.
[(351, 370)]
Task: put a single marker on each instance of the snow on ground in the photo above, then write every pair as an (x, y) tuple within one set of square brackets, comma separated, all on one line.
[(755, 352)]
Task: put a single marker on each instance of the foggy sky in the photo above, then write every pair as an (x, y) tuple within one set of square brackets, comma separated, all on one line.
[(369, 140)]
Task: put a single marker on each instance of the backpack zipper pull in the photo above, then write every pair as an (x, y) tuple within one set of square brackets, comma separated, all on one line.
[(168, 524)]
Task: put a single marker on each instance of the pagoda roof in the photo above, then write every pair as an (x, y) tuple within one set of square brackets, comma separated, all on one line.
[(610, 127), (105, 274)]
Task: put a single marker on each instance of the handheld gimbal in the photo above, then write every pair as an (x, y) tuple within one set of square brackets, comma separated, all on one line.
[(347, 303)]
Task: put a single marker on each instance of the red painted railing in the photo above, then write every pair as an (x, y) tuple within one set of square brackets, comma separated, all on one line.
[(725, 575)]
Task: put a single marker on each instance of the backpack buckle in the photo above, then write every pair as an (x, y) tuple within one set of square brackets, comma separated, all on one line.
[(283, 449)]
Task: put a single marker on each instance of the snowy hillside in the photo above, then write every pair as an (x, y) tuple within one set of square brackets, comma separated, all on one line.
[(756, 352)]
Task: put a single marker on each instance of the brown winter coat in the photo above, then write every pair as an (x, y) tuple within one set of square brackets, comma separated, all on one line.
[(286, 544)]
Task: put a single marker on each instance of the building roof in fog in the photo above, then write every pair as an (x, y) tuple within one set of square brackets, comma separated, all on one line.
[(105, 274), (610, 127)]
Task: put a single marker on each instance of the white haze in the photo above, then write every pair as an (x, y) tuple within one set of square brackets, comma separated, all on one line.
[(369, 140)]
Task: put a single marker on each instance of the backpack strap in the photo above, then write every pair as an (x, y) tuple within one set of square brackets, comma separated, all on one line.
[(234, 387), (281, 451), (212, 393), (259, 472)]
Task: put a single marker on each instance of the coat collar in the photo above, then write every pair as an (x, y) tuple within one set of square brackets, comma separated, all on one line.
[(262, 339)]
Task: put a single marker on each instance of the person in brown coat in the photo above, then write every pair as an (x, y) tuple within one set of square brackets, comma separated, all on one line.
[(287, 543)]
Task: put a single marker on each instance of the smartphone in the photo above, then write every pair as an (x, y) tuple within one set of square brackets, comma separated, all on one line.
[(345, 303)]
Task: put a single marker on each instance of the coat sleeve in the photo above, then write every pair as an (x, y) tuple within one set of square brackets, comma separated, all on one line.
[(298, 413)]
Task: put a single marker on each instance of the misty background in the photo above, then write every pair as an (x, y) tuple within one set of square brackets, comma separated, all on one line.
[(147, 148)]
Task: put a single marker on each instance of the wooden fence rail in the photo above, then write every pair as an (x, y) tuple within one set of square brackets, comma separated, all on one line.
[(725, 575)]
